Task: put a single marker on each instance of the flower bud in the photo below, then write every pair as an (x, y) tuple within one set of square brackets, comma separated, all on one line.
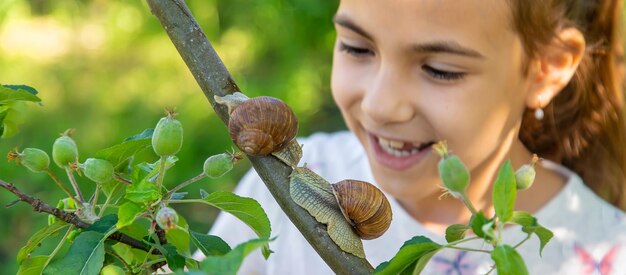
[(34, 159), (167, 138), (73, 234), (167, 218), (98, 170), (217, 165), (64, 150), (525, 175), (51, 219)]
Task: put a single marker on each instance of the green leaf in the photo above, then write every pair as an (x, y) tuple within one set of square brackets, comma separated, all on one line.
[(115, 190), (174, 260), (9, 93), (128, 212), (531, 226), (456, 232), (523, 218), (86, 256), (33, 265), (504, 192), (37, 238), (508, 261), (147, 133), (544, 236), (247, 210), (209, 245), (119, 153), (477, 222), (410, 252), (129, 254), (104, 225), (142, 192), (180, 239), (138, 229), (423, 261), (230, 263), (542, 233)]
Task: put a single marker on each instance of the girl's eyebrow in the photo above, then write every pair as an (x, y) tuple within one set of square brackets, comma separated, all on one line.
[(449, 47), (347, 23)]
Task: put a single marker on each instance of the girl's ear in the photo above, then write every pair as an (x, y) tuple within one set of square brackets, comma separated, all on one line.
[(554, 66)]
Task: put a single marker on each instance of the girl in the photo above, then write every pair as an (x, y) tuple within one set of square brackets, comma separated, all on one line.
[(496, 79)]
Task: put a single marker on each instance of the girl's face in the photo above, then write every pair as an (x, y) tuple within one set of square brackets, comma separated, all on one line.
[(408, 73)]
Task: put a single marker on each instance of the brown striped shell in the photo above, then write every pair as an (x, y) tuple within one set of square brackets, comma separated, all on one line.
[(364, 206), (262, 125)]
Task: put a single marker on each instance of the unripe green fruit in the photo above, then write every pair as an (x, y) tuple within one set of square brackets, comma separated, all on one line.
[(452, 171), (34, 159), (64, 151), (112, 270), (98, 170), (167, 138), (525, 175), (454, 174), (217, 165), (167, 218)]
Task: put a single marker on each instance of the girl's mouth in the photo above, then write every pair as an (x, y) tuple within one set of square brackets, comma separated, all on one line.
[(398, 155)]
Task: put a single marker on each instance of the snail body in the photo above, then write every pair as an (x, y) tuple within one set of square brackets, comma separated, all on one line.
[(262, 125), (351, 209)]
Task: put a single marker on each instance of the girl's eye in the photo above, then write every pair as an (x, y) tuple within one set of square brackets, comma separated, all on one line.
[(443, 75), (355, 51)]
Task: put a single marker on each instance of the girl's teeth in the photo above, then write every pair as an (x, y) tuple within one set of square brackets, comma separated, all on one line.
[(394, 148)]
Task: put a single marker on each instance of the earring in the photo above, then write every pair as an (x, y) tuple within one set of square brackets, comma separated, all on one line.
[(539, 111)]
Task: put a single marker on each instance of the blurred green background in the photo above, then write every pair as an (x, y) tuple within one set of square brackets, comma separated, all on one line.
[(108, 69)]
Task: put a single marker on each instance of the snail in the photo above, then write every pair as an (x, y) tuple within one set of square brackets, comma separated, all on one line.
[(364, 206), (351, 209), (262, 125)]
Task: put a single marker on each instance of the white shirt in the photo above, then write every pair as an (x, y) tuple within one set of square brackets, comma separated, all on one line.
[(589, 233)]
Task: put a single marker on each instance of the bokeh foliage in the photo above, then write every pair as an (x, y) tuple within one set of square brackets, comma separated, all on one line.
[(108, 69)]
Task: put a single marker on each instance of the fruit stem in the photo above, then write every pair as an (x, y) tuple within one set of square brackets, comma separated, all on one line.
[(161, 172), (70, 175), (107, 201), (58, 182), (523, 241), (188, 182), (94, 198), (468, 203)]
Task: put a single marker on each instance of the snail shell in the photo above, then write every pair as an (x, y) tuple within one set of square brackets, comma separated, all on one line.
[(262, 125), (364, 206)]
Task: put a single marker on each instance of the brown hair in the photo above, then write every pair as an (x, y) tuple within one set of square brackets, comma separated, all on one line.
[(584, 127)]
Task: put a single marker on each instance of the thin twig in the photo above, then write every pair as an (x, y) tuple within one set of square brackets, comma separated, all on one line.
[(121, 179), (40, 206)]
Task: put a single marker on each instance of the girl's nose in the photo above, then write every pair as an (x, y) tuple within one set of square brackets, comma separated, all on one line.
[(387, 99)]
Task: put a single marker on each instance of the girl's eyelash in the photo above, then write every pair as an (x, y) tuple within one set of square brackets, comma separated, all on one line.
[(443, 75), (356, 51)]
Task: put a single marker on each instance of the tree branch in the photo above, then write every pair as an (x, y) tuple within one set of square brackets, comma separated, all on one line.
[(214, 79), (40, 206)]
